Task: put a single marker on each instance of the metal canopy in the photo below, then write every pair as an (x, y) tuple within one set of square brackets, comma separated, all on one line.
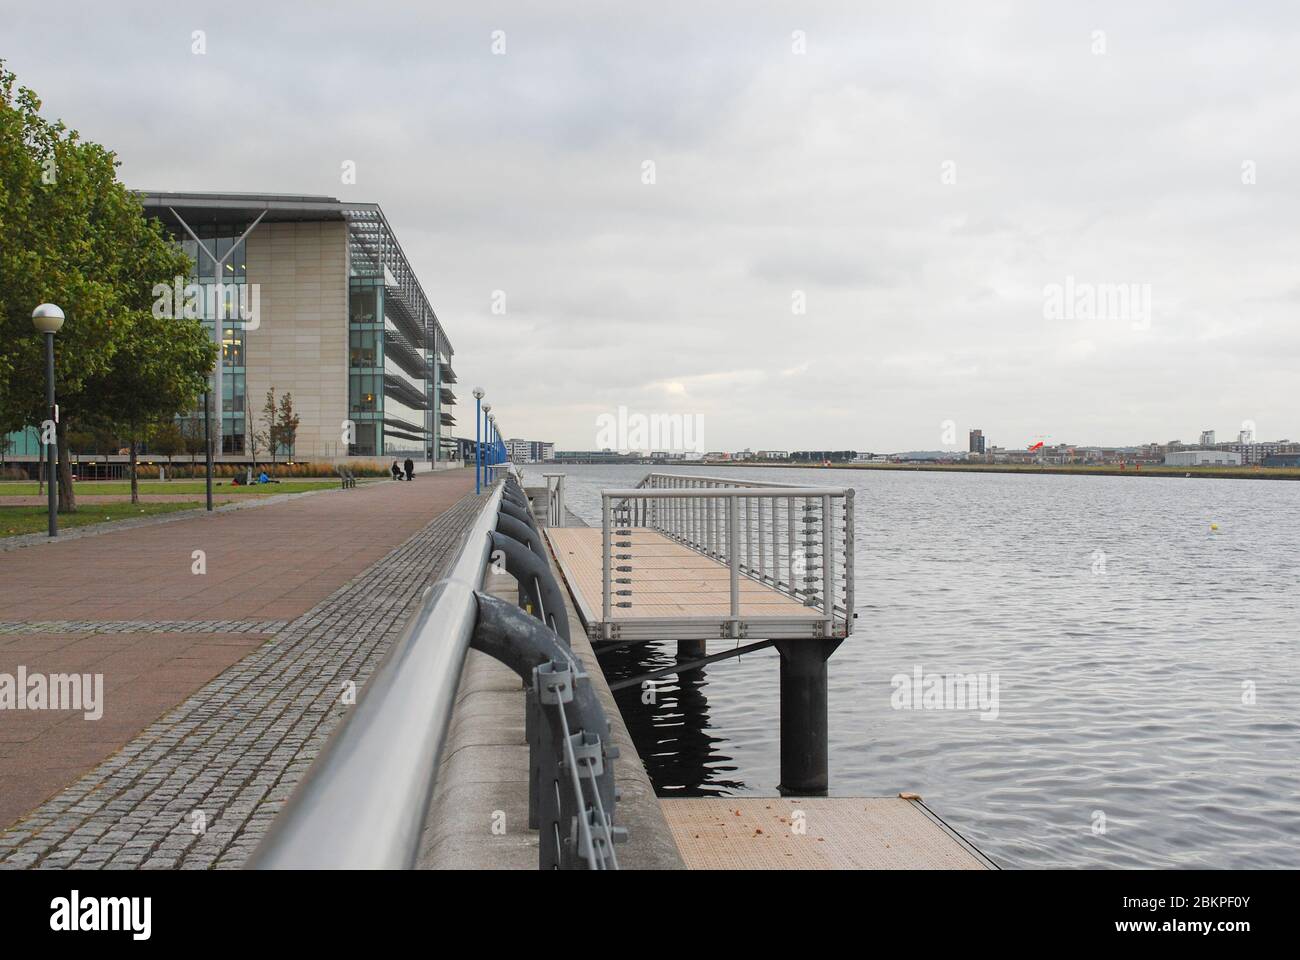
[(399, 350), (375, 252), (404, 391)]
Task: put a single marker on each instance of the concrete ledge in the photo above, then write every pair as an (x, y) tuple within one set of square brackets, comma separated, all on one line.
[(478, 817)]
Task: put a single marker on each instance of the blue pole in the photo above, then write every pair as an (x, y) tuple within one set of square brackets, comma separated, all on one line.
[(478, 451)]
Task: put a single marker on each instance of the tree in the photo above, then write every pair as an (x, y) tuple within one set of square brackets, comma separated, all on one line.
[(255, 439), (270, 417), (169, 361), (192, 432), (287, 423), (167, 440), (72, 234)]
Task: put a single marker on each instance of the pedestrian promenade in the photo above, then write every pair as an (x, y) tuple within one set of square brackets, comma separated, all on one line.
[(221, 679)]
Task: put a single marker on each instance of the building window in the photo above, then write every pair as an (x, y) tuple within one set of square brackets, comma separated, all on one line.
[(364, 348)]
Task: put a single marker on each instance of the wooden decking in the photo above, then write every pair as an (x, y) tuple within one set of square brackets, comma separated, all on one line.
[(816, 833), (671, 582)]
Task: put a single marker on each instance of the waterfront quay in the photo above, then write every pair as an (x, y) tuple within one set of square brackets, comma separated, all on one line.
[(219, 687), (293, 684)]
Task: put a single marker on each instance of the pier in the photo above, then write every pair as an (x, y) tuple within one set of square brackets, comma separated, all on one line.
[(431, 696)]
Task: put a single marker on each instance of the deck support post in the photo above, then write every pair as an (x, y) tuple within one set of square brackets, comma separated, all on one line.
[(805, 728), (691, 649)]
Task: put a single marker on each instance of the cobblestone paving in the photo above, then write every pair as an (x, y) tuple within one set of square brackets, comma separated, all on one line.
[(199, 787), (9, 627)]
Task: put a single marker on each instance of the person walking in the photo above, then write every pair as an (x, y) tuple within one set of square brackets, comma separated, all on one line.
[(410, 469)]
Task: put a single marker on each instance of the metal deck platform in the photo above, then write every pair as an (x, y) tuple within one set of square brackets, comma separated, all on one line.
[(816, 833), (703, 558), (681, 594)]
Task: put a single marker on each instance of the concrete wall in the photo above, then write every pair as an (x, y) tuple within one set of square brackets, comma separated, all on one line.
[(301, 343)]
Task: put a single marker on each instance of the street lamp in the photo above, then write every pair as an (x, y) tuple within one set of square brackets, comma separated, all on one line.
[(478, 456), (48, 319)]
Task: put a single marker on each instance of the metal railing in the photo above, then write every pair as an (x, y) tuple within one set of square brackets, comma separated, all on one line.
[(556, 511), (364, 801), (796, 540)]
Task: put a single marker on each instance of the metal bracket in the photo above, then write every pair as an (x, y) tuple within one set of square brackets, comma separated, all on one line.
[(553, 682)]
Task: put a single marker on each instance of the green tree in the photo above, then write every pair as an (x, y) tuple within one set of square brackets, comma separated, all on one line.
[(271, 419), (255, 439), (287, 423), (72, 234), (169, 360), (192, 431), (166, 439)]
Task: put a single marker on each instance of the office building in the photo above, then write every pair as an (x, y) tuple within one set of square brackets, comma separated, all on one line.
[(323, 304)]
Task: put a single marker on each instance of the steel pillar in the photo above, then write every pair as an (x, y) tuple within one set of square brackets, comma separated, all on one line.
[(805, 728)]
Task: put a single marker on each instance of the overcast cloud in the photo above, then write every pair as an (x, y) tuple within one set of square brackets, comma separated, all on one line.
[(776, 172)]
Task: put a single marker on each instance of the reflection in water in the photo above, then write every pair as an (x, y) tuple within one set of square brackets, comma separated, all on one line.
[(671, 732)]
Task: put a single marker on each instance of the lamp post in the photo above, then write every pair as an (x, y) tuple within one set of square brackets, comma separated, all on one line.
[(48, 319), (478, 456)]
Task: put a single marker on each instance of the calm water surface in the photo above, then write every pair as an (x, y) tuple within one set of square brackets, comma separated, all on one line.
[(1120, 691)]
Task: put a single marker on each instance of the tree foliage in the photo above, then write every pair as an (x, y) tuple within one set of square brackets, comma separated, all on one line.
[(72, 234)]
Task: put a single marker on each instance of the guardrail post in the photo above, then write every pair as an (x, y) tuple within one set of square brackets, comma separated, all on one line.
[(733, 557), (606, 545), (828, 565)]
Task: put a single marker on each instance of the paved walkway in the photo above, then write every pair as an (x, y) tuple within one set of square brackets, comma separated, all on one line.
[(219, 687)]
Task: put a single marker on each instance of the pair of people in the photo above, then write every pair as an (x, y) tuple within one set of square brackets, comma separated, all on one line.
[(410, 470)]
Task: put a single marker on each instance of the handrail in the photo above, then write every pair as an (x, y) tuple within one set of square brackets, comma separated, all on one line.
[(364, 801), (725, 481), (797, 540), (556, 510)]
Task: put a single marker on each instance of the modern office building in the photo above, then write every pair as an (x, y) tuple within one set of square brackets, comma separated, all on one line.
[(321, 303), (530, 451), (976, 442), (1207, 438)]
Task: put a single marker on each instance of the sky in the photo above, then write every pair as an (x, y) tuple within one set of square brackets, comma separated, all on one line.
[(802, 225)]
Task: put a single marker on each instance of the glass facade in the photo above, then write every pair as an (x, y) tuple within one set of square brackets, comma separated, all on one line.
[(220, 239), (366, 365)]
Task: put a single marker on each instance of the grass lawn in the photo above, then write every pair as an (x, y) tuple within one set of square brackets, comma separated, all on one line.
[(18, 520), (189, 487)]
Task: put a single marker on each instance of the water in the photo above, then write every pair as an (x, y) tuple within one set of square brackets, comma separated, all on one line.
[(1121, 674)]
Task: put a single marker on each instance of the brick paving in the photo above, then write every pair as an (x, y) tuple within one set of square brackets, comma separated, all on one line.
[(199, 786)]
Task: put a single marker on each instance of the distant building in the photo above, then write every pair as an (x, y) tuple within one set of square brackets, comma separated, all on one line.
[(774, 454), (530, 451), (976, 442), (1207, 438), (1282, 460), (1203, 458), (1259, 451)]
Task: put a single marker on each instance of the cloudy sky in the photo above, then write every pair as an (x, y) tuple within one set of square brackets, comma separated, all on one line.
[(918, 179)]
